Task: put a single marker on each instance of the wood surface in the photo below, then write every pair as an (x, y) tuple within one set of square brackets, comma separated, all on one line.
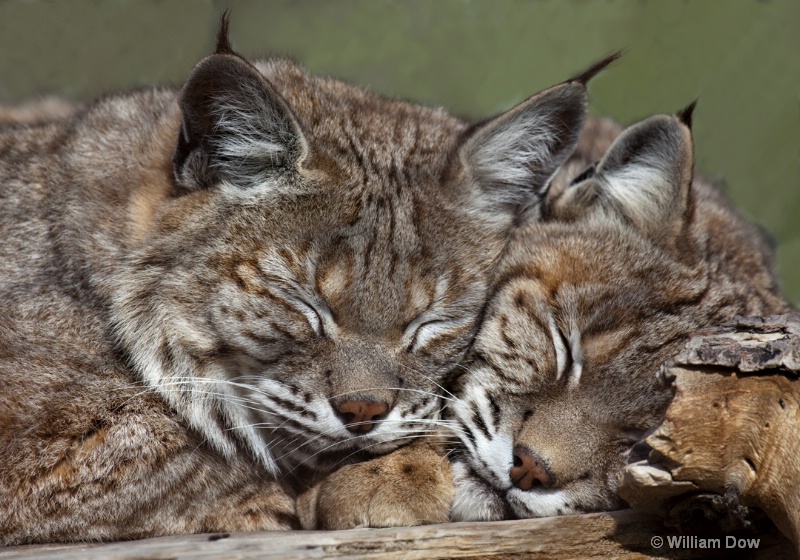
[(728, 450), (623, 534), (730, 442)]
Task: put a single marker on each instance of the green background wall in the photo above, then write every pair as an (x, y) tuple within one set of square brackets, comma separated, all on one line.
[(475, 57)]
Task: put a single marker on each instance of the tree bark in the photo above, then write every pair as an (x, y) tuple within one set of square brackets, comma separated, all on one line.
[(730, 441)]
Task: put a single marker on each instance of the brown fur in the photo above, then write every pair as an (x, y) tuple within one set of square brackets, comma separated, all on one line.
[(624, 276), (193, 283), (367, 494), (37, 111)]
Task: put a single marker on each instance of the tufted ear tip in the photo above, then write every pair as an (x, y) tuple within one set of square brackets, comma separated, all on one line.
[(596, 68), (223, 42), (685, 114)]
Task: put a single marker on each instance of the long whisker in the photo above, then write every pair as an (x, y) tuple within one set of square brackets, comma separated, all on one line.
[(407, 389), (416, 434)]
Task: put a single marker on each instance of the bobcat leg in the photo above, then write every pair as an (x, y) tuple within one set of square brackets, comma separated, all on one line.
[(411, 486)]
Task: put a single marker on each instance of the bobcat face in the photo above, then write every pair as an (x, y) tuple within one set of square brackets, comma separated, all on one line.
[(323, 258), (588, 303)]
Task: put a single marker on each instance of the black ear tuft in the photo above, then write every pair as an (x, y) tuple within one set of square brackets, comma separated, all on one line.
[(596, 68), (685, 114), (223, 43)]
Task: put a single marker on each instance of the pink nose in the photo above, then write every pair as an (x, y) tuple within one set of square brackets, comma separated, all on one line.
[(529, 471), (360, 416)]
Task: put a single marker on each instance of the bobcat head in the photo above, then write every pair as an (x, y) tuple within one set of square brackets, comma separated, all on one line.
[(323, 257), (625, 264)]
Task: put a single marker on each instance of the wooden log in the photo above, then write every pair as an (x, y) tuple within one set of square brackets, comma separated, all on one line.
[(623, 534), (733, 428), (730, 442)]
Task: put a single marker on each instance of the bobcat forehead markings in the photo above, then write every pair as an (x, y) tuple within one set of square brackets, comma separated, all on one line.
[(625, 264), (286, 264)]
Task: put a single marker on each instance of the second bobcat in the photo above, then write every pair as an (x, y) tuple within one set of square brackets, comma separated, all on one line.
[(622, 266)]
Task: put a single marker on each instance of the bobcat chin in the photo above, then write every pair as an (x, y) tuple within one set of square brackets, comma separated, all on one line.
[(626, 262), (209, 293)]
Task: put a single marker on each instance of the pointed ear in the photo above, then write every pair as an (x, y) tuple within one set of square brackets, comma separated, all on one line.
[(512, 157), (236, 127), (644, 178)]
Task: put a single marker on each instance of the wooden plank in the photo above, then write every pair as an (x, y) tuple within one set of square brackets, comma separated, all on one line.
[(623, 534)]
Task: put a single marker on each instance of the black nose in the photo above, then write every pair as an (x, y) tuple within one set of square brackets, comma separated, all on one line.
[(360, 416), (529, 470)]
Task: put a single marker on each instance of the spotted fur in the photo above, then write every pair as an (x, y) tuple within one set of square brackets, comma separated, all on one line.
[(624, 265), (192, 282)]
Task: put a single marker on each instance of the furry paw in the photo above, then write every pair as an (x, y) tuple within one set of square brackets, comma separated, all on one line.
[(411, 486), (475, 499)]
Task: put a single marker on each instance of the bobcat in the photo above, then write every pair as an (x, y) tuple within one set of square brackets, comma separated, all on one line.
[(606, 284), (213, 294)]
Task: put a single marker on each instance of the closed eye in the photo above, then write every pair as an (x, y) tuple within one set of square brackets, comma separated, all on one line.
[(420, 331), (318, 316), (425, 333)]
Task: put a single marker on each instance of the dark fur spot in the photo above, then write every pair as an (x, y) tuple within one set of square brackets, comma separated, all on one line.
[(408, 469), (528, 413), (288, 405), (507, 340), (288, 520)]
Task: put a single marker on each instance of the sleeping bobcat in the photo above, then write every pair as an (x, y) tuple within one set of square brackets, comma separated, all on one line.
[(590, 298), (209, 293)]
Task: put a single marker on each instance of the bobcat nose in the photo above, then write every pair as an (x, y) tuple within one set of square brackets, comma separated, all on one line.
[(359, 416), (529, 471)]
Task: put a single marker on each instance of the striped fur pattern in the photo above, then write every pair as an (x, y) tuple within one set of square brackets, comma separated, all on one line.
[(192, 282), (625, 264)]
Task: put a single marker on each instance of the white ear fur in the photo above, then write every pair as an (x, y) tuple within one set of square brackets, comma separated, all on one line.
[(646, 173), (512, 157), (236, 127), (644, 180)]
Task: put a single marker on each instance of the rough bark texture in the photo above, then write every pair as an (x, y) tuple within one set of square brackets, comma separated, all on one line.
[(731, 438)]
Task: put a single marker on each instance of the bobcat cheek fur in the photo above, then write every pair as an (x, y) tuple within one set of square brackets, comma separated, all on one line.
[(267, 272), (623, 266)]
